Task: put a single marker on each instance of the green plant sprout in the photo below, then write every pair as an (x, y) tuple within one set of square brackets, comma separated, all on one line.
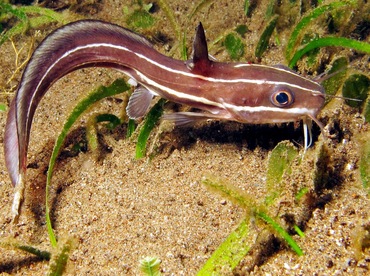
[(150, 266), (301, 193), (320, 42), (234, 46), (265, 37), (356, 86), (91, 128), (299, 231), (230, 252), (361, 240), (151, 119), (280, 230), (235, 247), (59, 260), (131, 126), (366, 110), (139, 18), (198, 7), (339, 71), (279, 164), (364, 165), (270, 11), (247, 8), (3, 107)]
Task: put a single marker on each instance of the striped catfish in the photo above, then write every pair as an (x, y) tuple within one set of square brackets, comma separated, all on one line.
[(247, 93)]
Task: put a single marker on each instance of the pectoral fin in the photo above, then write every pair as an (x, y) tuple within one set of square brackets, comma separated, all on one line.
[(139, 102)]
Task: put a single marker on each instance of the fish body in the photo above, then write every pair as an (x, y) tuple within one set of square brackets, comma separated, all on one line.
[(247, 93)]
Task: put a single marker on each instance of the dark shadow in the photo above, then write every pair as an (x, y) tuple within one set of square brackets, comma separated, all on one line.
[(14, 266), (243, 135)]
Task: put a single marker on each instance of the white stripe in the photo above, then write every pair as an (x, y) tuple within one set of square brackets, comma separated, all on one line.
[(222, 104), (229, 81), (278, 69), (95, 45), (179, 95), (184, 95), (253, 109)]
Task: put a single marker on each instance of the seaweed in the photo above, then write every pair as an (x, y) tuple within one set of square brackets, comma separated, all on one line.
[(247, 8), (234, 46), (140, 18), (13, 244), (299, 231), (131, 126), (198, 7), (230, 252), (361, 240), (151, 119), (304, 23), (356, 86), (117, 87), (280, 230), (338, 71), (364, 165), (60, 258), (330, 41), (264, 39), (57, 259), (301, 193), (237, 245), (22, 13), (91, 127), (366, 110), (279, 164), (3, 107)]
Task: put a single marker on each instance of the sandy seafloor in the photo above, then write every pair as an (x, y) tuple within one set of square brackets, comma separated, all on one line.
[(119, 209)]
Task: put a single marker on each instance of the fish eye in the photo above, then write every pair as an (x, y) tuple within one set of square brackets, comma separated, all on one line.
[(282, 97)]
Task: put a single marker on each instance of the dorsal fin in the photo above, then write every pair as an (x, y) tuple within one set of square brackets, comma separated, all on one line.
[(200, 49), (199, 60)]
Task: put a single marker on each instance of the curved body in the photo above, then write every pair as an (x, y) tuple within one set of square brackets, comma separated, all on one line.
[(224, 91)]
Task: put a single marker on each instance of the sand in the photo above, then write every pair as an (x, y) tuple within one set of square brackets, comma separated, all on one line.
[(118, 210)]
